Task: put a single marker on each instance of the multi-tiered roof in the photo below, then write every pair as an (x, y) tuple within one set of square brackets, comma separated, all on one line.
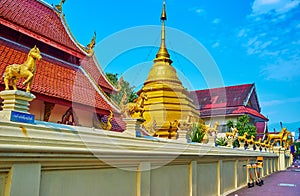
[(68, 73)]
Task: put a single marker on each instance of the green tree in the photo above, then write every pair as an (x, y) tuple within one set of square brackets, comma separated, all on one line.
[(125, 87), (243, 125), (229, 125)]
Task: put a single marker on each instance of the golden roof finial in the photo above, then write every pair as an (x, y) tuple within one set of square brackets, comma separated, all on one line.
[(163, 54), (59, 6), (92, 44)]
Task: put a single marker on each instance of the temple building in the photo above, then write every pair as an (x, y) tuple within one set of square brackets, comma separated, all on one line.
[(229, 103), (69, 85), (168, 101)]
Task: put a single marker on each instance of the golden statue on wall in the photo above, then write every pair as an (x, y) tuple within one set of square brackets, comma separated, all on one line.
[(136, 107), (26, 70), (276, 136)]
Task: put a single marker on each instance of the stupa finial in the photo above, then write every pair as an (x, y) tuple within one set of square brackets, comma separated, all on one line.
[(162, 54)]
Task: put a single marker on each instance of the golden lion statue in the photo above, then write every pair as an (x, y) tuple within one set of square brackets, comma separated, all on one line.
[(26, 70)]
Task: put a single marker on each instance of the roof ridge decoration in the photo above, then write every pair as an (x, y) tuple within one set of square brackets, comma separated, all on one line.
[(90, 47), (59, 6), (68, 30)]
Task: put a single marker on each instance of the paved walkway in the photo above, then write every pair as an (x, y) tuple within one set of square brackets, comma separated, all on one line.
[(286, 183)]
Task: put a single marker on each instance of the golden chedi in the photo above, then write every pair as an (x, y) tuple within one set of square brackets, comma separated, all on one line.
[(168, 101)]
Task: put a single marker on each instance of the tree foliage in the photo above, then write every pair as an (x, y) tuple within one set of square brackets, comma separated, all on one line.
[(126, 87), (243, 125)]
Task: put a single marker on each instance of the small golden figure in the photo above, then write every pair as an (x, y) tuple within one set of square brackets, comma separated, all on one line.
[(59, 6), (26, 70), (92, 44), (137, 106)]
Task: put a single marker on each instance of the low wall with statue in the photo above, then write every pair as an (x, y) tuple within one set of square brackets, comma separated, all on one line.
[(46, 159)]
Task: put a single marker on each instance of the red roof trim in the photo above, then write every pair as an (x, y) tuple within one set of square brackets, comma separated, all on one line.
[(231, 111)]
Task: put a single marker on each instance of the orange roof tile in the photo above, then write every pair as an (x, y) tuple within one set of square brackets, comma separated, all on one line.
[(54, 78), (89, 64)]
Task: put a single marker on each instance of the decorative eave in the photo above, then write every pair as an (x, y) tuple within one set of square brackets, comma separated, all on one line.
[(103, 74), (84, 50), (249, 97)]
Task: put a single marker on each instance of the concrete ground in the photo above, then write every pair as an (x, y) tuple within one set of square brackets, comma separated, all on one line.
[(286, 183)]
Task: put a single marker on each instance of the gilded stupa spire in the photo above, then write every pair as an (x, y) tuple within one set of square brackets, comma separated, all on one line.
[(163, 54)]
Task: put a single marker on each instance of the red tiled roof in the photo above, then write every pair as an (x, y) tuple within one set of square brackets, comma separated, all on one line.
[(39, 21), (54, 79), (89, 65), (230, 96), (231, 100)]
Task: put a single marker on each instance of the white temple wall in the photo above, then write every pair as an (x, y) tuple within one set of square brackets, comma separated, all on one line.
[(42, 160)]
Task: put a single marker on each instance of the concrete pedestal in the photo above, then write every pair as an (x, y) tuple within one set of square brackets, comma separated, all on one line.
[(15, 101), (182, 135), (230, 142), (250, 147), (133, 125), (212, 140), (242, 145)]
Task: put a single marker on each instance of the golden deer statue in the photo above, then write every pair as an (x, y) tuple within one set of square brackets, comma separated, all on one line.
[(232, 134), (258, 143), (250, 141), (212, 130), (26, 70), (138, 106), (243, 137)]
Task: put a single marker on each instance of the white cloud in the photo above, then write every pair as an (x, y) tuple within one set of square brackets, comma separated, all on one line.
[(279, 102), (216, 21), (197, 10), (283, 70), (277, 6), (216, 44)]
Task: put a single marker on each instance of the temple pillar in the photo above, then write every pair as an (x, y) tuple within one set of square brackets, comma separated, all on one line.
[(281, 158), (133, 125)]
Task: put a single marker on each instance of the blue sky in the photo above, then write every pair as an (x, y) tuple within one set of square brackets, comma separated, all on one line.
[(249, 41)]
